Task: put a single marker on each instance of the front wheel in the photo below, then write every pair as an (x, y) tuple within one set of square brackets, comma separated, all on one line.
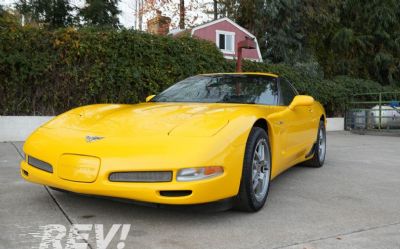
[(256, 173), (318, 158)]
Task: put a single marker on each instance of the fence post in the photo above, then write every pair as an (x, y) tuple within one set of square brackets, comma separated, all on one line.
[(380, 110)]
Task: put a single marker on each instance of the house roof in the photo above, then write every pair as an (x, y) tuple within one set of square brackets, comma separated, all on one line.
[(204, 25), (222, 20)]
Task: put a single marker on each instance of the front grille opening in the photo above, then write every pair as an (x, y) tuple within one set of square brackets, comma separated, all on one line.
[(175, 193), (25, 172), (141, 176), (39, 164)]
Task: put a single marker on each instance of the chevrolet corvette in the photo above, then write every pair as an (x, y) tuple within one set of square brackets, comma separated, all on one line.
[(207, 138)]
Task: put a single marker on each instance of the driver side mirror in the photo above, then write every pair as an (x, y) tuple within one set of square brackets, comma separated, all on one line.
[(301, 100), (148, 98)]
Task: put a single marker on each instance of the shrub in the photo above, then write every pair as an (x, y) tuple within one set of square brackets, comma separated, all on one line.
[(46, 73)]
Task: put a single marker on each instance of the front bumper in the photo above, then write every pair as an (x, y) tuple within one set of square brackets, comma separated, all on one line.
[(203, 191)]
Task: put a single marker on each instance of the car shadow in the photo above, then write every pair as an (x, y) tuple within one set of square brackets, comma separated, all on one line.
[(125, 206)]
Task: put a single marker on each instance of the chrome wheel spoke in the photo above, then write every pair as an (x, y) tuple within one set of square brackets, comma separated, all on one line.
[(254, 173), (255, 184), (260, 169), (261, 177), (262, 154), (321, 145)]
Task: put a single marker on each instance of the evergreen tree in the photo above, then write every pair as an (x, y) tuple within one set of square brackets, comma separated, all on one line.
[(283, 34), (51, 13), (250, 15), (101, 13), (366, 41), (229, 8)]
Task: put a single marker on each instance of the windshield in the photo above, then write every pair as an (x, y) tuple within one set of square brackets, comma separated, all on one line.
[(224, 88)]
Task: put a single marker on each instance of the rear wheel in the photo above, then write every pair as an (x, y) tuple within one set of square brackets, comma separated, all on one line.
[(256, 173), (318, 159)]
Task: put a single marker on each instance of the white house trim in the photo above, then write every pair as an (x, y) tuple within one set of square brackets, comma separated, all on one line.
[(258, 52), (234, 24), (229, 57), (233, 44)]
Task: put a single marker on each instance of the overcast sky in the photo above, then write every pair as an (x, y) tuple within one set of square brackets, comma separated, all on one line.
[(195, 13)]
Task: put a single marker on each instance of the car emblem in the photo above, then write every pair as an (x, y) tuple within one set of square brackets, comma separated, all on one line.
[(90, 139)]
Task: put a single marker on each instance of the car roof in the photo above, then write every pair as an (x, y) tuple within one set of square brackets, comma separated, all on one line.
[(245, 73)]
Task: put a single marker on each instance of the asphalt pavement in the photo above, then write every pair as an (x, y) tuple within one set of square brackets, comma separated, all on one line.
[(351, 202)]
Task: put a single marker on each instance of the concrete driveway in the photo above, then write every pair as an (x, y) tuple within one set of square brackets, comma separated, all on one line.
[(351, 202)]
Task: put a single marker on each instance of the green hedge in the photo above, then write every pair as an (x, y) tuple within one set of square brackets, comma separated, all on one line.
[(48, 72)]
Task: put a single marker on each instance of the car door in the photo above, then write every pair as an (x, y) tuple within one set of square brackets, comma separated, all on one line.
[(297, 129)]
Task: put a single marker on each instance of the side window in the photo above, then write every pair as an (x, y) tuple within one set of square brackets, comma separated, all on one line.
[(287, 92), (268, 94)]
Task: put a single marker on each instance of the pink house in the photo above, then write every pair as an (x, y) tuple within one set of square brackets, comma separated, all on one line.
[(226, 34)]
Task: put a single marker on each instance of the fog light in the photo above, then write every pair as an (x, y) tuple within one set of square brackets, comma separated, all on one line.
[(40, 164), (194, 174)]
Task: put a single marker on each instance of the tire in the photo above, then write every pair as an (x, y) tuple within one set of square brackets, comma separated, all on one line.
[(318, 159), (256, 172)]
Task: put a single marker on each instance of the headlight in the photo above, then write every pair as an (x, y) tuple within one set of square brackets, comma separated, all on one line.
[(194, 174)]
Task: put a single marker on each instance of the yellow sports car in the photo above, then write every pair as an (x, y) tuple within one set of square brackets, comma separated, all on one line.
[(207, 138)]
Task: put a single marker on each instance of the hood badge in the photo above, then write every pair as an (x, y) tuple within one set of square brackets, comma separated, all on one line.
[(90, 139)]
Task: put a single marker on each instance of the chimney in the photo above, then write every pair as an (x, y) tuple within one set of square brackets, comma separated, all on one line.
[(159, 25)]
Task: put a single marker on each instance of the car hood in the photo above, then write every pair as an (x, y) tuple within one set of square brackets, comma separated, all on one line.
[(149, 119)]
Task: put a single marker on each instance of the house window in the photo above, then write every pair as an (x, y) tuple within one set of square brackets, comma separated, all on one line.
[(226, 41)]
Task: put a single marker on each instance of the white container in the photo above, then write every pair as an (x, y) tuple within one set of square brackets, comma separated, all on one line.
[(390, 116)]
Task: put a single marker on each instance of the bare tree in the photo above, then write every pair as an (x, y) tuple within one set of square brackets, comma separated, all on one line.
[(215, 9), (139, 10), (182, 14)]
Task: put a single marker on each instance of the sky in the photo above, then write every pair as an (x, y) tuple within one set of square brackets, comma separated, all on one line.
[(195, 14)]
